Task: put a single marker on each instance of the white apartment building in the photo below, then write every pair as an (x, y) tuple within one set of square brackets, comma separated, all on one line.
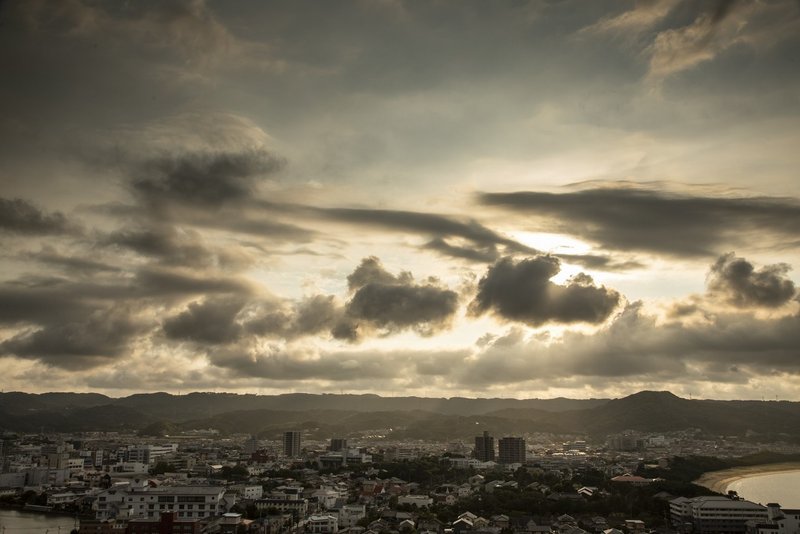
[(779, 521), (322, 524), (326, 498), (131, 468), (715, 515), (248, 492), (189, 502), (350, 514), (396, 454), (149, 454)]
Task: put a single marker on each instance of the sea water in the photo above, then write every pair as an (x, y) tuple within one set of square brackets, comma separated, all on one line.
[(782, 488), (16, 522)]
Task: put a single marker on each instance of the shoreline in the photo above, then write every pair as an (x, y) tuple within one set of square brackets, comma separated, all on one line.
[(719, 481), (62, 513)]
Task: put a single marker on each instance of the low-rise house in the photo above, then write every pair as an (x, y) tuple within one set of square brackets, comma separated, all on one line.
[(167, 523), (103, 526), (420, 501), (283, 504), (501, 521), (634, 525), (634, 480), (350, 514), (322, 524), (406, 525)]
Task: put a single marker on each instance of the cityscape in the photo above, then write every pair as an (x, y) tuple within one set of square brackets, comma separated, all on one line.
[(399, 267), (162, 478)]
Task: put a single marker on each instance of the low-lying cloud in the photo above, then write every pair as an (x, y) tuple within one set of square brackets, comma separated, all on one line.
[(522, 291), (20, 216), (737, 281)]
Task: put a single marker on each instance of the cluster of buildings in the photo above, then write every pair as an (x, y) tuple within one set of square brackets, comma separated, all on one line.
[(208, 484), (511, 450), (731, 515)]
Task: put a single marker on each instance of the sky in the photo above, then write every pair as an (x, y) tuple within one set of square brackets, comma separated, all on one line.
[(435, 198)]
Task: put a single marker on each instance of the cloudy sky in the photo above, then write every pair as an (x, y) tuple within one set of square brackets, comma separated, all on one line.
[(512, 198)]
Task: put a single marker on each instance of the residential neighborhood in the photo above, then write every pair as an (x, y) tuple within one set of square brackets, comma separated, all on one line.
[(204, 482)]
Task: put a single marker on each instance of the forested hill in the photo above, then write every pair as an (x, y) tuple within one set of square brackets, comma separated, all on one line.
[(402, 417)]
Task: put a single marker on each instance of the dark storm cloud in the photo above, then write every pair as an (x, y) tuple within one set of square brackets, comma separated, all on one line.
[(395, 306), (312, 315), (93, 314), (395, 302), (73, 263), (316, 314), (77, 342), (34, 304), (208, 189), (721, 10), (174, 247), (522, 291), (234, 218), (738, 282), (20, 216), (211, 321), (281, 364), (204, 178), (82, 324), (29, 295), (164, 282), (302, 363), (655, 221), (633, 346), (600, 262), (372, 271), (483, 241), (253, 225), (422, 223), (380, 301), (636, 345), (486, 253)]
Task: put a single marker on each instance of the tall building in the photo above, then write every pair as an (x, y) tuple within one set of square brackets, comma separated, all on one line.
[(338, 444), (511, 450), (484, 448), (291, 444)]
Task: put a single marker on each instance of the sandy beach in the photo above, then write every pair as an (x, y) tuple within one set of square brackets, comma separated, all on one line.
[(720, 480)]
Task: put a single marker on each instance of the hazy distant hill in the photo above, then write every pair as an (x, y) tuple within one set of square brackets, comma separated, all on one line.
[(401, 417), (191, 405), (105, 417), (17, 403), (661, 411), (78, 411)]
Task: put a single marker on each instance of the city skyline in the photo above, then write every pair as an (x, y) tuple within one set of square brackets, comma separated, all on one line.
[(512, 199)]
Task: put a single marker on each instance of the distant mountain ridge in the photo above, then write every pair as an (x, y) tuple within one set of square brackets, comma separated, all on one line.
[(323, 415)]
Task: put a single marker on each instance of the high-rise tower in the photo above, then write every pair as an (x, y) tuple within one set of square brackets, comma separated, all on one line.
[(484, 448), (291, 444)]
